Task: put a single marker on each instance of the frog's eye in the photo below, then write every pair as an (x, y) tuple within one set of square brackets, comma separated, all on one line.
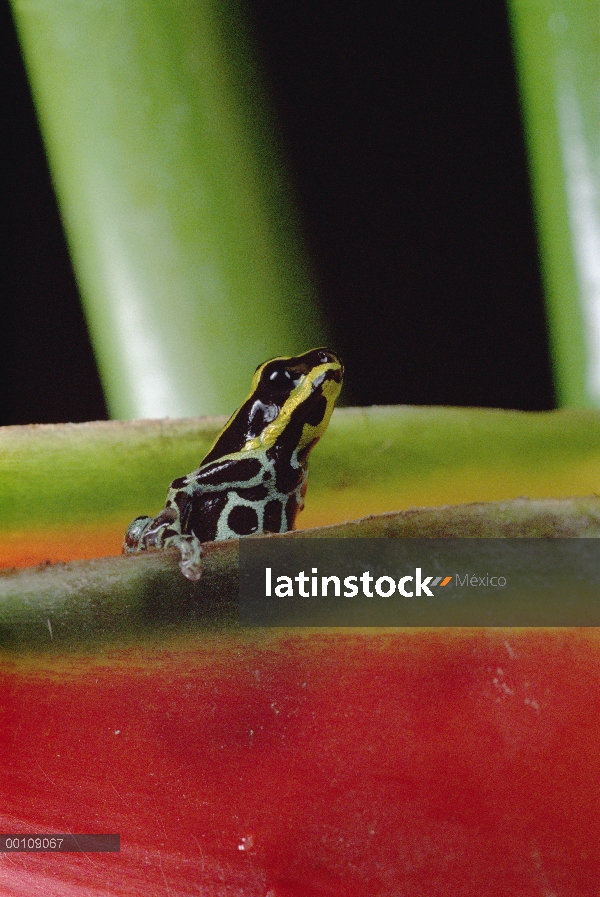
[(281, 379)]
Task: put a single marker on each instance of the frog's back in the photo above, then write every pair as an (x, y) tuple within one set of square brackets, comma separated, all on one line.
[(253, 479)]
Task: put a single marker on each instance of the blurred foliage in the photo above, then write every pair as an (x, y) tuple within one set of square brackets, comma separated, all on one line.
[(557, 47), (177, 210)]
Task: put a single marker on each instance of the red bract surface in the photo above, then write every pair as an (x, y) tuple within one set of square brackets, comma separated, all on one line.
[(425, 763)]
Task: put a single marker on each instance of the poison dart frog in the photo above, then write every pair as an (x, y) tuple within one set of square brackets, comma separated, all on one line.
[(253, 479)]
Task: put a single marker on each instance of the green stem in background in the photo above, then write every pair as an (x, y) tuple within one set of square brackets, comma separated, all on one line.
[(557, 47), (181, 228), (370, 460)]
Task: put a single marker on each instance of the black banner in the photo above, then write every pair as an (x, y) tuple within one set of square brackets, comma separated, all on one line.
[(419, 582)]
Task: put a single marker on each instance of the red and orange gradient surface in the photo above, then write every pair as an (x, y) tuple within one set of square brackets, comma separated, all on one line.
[(299, 764)]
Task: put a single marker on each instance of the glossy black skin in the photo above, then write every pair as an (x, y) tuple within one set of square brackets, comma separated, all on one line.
[(240, 489)]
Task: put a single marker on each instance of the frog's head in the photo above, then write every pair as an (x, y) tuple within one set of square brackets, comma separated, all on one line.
[(288, 408)]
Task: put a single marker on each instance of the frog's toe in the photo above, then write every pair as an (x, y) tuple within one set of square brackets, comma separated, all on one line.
[(159, 529), (191, 556)]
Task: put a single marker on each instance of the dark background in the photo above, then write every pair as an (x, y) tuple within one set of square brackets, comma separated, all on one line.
[(402, 131)]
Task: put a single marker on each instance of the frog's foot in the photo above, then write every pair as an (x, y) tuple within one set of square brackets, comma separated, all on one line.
[(190, 548), (134, 537), (149, 532)]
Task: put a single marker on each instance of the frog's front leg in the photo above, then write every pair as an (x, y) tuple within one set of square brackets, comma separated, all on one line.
[(162, 532)]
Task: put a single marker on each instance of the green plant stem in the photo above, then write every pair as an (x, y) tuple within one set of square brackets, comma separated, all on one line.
[(61, 475), (557, 49), (111, 599), (182, 231)]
